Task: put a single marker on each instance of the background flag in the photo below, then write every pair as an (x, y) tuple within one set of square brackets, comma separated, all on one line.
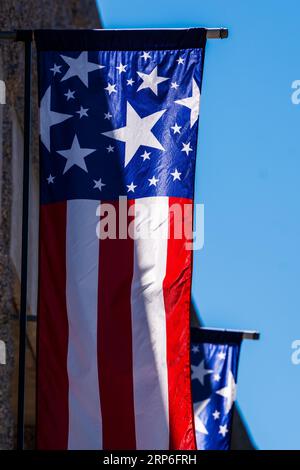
[(118, 118), (214, 365)]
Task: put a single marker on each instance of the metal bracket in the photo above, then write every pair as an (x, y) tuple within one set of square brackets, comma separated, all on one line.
[(2, 353)]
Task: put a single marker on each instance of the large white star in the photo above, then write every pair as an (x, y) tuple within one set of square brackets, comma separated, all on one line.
[(150, 80), (137, 132), (80, 67), (49, 118), (199, 372), (228, 392), (75, 155), (193, 103), (198, 408)]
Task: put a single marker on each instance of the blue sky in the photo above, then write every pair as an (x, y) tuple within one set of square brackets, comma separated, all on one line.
[(248, 177)]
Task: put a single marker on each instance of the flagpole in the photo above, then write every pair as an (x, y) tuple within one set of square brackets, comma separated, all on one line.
[(211, 33), (245, 334), (216, 33), (24, 36)]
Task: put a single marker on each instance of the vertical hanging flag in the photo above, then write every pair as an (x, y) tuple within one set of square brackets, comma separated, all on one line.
[(214, 366), (118, 129)]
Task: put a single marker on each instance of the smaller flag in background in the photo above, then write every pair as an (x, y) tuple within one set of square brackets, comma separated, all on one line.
[(214, 365)]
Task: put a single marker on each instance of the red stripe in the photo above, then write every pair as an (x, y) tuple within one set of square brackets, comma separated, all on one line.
[(177, 295), (115, 342), (52, 377)]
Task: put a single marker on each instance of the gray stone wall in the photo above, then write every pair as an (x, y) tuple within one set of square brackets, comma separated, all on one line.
[(30, 14)]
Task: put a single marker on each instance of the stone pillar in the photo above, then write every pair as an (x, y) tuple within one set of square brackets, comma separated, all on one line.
[(6, 309)]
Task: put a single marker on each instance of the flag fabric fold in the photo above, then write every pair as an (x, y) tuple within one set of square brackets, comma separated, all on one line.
[(118, 136)]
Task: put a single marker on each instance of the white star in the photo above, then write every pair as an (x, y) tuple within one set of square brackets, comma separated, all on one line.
[(198, 408), (217, 377), (70, 95), (222, 355), (99, 184), (121, 68), (216, 414), (174, 85), (131, 187), (130, 82), (195, 349), (180, 60), (56, 69), (146, 156), (145, 55), (50, 179), (193, 103), (199, 372), (176, 128), (151, 80), (186, 148), (137, 132), (176, 175), (80, 67), (82, 112), (75, 155), (153, 181), (110, 148), (111, 88), (223, 430), (107, 115), (49, 118), (228, 392)]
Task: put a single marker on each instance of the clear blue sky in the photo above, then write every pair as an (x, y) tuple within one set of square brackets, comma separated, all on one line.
[(248, 177)]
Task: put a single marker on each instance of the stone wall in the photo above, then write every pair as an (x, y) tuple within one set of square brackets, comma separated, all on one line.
[(16, 14)]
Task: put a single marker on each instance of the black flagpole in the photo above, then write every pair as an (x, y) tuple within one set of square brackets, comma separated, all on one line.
[(26, 37)]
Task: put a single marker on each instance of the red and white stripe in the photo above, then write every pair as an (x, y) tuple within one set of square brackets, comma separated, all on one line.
[(113, 331)]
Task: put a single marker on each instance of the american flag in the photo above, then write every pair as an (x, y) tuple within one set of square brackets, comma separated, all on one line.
[(214, 367), (118, 119)]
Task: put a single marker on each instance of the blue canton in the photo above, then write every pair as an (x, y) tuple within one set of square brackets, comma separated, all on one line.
[(117, 123)]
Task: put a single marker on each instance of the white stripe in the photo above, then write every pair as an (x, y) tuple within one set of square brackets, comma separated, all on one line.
[(82, 253), (150, 374)]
